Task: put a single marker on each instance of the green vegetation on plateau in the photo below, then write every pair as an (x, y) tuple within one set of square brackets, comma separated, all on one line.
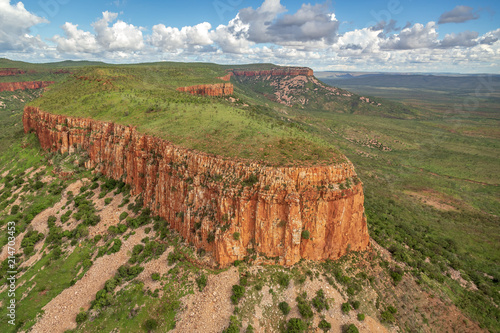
[(145, 96)]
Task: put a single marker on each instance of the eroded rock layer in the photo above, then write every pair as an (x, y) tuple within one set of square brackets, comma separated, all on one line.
[(232, 208), (288, 71), (216, 89), (11, 86), (11, 71)]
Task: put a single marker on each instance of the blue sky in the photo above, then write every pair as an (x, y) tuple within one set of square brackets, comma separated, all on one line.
[(390, 35)]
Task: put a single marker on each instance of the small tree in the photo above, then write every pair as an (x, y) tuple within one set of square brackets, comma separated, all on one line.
[(324, 325), (284, 307), (351, 329), (150, 324), (346, 307), (296, 325)]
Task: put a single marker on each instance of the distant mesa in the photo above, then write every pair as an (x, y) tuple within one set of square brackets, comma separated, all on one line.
[(11, 86), (216, 89), (288, 71), (11, 71)]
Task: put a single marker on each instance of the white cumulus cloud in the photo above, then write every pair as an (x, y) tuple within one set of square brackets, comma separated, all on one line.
[(15, 24)]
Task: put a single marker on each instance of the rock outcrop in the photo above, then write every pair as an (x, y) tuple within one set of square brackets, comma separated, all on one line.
[(226, 77), (216, 89), (11, 71), (288, 71), (11, 86), (232, 208)]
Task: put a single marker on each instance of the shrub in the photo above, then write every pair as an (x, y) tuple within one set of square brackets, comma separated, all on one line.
[(236, 236), (296, 325), (284, 307), (155, 276), (346, 307), (117, 244), (305, 234), (81, 317), (14, 210), (304, 306), (238, 292), (283, 279), (320, 302), (387, 317), (201, 281), (351, 329), (129, 272), (243, 281), (234, 325), (355, 305), (123, 216), (107, 201), (250, 329), (173, 257), (361, 316), (324, 325), (150, 324)]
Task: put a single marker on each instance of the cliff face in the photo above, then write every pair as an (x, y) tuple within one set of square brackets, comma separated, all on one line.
[(10, 71), (289, 71), (209, 199), (11, 86), (217, 89)]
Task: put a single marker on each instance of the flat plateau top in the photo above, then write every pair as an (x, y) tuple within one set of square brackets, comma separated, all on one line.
[(239, 126)]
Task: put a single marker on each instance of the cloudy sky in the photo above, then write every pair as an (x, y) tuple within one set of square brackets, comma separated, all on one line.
[(388, 35)]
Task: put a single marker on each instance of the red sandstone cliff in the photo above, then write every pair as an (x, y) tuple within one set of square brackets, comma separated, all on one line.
[(288, 71), (11, 86), (217, 89), (226, 77), (202, 195), (11, 71)]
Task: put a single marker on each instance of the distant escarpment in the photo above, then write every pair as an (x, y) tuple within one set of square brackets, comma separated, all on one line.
[(288, 71), (11, 86), (217, 89), (11, 71), (235, 209)]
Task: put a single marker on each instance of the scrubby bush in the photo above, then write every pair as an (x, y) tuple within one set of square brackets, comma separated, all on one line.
[(150, 324), (320, 302), (29, 240), (123, 215), (283, 279), (296, 325), (117, 244), (155, 276), (238, 292), (305, 234), (305, 309), (107, 201), (346, 307), (81, 317), (355, 305), (388, 315), (234, 325), (173, 257), (361, 316), (201, 281), (284, 307), (351, 329), (324, 325), (236, 236)]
